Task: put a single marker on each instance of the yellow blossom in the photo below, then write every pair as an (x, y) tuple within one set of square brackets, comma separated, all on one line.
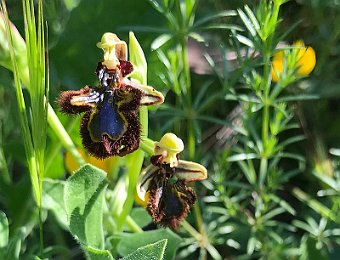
[(306, 61), (106, 165)]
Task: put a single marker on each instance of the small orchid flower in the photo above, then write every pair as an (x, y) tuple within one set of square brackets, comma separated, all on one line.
[(110, 125), (162, 184)]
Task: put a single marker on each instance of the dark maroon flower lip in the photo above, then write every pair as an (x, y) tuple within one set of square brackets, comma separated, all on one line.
[(169, 203), (165, 181), (110, 125)]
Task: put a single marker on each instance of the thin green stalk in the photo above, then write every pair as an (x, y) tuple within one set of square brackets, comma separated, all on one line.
[(55, 150), (267, 45), (34, 136), (191, 230), (134, 165), (39, 90), (133, 225), (4, 168), (198, 217), (191, 141), (63, 136), (263, 171), (135, 160), (202, 241), (146, 146), (186, 68), (190, 129)]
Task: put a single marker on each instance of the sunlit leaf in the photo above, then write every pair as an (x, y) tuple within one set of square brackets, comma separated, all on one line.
[(84, 198), (96, 254), (4, 232), (152, 251), (53, 199), (131, 242)]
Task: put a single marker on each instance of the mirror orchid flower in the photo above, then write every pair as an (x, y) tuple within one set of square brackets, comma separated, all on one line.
[(110, 124), (162, 185)]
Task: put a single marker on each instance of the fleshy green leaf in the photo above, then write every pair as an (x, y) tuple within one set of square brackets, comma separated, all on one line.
[(132, 242), (152, 251), (53, 199), (84, 197), (140, 216), (97, 254)]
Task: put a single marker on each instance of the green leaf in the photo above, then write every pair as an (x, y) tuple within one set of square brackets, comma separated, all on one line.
[(53, 199), (247, 22), (137, 58), (310, 250), (71, 4), (314, 204), (84, 197), (14, 245), (97, 254), (140, 216), (214, 16), (160, 41), (132, 242), (297, 98), (152, 251), (242, 157), (3, 229)]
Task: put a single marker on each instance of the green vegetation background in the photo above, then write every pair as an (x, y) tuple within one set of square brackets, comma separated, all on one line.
[(312, 232)]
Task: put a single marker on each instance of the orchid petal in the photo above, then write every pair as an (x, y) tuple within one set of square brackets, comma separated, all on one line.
[(190, 171), (150, 95), (144, 181)]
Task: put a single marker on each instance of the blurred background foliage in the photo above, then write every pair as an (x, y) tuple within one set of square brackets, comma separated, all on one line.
[(299, 207)]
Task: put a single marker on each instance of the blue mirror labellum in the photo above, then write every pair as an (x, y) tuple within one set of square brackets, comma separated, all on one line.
[(110, 125)]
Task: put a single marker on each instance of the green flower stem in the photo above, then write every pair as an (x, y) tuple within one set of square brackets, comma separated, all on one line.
[(202, 240), (191, 134), (133, 225), (267, 45), (191, 141), (51, 156), (147, 145), (263, 171), (135, 160), (186, 68), (134, 165), (190, 129), (191, 230), (4, 168), (63, 136), (265, 113)]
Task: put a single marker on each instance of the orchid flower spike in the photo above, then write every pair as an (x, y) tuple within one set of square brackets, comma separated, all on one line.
[(110, 125), (162, 184)]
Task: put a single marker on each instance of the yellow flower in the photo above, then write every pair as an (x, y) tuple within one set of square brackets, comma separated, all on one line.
[(106, 165), (305, 61)]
